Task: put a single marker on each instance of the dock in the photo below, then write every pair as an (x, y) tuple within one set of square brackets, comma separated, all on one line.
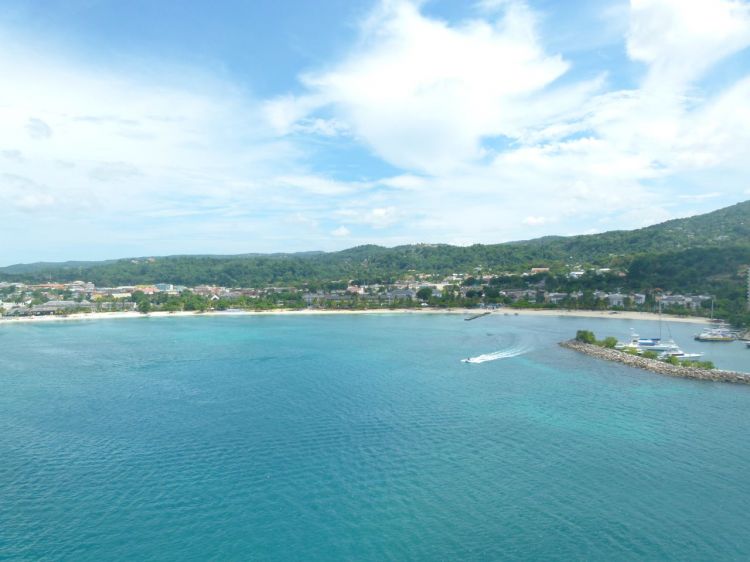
[(476, 316)]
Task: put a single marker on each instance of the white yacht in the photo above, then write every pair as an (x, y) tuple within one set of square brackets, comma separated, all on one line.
[(716, 335), (640, 344), (664, 348), (680, 354)]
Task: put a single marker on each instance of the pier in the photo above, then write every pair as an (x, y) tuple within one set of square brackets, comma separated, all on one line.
[(470, 318)]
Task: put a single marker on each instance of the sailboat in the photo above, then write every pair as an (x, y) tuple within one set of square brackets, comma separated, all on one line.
[(664, 348), (722, 333)]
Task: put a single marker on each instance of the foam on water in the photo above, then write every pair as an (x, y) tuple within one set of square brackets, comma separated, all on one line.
[(495, 355)]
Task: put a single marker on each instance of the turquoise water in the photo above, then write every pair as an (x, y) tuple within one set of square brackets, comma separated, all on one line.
[(362, 438)]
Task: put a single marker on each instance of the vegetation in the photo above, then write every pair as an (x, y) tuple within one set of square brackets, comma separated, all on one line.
[(609, 342), (698, 364), (706, 254), (424, 293), (638, 250), (587, 336)]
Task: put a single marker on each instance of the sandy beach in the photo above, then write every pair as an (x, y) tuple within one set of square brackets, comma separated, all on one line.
[(645, 316)]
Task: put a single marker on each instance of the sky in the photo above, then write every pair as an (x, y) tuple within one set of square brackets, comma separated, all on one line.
[(175, 127)]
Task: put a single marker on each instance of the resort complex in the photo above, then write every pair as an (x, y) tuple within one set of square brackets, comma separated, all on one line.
[(21, 299)]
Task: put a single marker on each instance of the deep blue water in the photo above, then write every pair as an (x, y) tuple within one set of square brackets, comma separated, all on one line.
[(362, 438)]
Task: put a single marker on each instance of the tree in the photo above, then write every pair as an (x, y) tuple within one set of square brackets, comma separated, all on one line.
[(672, 360), (585, 336), (424, 293), (173, 304), (609, 342), (491, 292), (144, 306)]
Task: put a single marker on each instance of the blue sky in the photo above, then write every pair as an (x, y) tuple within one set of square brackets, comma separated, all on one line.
[(152, 128)]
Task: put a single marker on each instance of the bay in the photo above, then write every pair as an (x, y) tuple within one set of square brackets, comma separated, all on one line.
[(363, 437)]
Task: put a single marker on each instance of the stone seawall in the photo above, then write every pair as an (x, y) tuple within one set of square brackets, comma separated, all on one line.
[(656, 366)]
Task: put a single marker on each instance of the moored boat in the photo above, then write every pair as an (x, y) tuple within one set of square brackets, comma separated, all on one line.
[(640, 344), (664, 348), (680, 355), (716, 335)]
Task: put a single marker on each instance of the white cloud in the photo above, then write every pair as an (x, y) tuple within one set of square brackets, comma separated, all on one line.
[(38, 129), (701, 196), (114, 171), (680, 39), (13, 155), (341, 231), (485, 129), (426, 95), (535, 221), (423, 94), (318, 185), (323, 127), (284, 112), (23, 194), (137, 148), (405, 181), (377, 217)]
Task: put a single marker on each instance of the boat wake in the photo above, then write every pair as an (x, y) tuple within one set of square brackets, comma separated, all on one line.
[(494, 356)]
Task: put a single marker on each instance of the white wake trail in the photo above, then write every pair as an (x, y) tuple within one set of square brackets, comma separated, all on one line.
[(494, 356)]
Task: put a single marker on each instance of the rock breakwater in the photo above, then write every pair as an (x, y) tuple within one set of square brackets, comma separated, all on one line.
[(656, 366)]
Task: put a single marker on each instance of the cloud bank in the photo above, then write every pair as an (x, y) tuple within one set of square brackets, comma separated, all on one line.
[(426, 129)]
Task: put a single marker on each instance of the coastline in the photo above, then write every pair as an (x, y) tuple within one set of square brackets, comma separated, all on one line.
[(90, 316)]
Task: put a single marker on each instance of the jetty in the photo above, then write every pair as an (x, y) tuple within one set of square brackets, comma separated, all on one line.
[(470, 318), (656, 366)]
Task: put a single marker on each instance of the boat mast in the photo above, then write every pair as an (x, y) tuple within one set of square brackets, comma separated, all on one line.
[(660, 319)]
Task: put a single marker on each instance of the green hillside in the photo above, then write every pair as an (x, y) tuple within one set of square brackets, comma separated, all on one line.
[(643, 252)]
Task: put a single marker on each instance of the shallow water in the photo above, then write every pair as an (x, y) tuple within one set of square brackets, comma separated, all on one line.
[(363, 437)]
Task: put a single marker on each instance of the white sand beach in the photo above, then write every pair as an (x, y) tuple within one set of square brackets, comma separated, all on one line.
[(645, 316)]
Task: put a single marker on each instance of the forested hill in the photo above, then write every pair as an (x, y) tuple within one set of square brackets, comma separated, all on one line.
[(679, 241), (727, 226)]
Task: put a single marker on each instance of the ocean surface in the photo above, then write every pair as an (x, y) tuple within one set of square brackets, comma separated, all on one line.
[(363, 438)]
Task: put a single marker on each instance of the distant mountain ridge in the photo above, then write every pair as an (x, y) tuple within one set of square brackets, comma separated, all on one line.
[(721, 229), (23, 268)]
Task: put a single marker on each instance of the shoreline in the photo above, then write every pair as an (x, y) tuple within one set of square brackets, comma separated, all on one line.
[(626, 315)]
